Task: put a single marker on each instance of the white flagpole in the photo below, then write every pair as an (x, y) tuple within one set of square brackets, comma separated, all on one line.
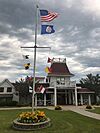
[(34, 67), (35, 47)]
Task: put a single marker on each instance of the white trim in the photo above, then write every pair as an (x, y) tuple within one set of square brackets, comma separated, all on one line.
[(81, 99), (55, 96), (86, 92), (6, 80), (76, 103), (89, 97)]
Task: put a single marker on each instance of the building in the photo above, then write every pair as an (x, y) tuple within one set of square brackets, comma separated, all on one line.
[(56, 89), (8, 92), (62, 90)]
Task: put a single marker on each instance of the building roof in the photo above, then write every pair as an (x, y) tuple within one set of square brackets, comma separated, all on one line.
[(6, 81), (59, 68), (85, 90)]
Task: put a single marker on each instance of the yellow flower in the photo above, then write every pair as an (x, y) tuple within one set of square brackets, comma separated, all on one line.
[(33, 116), (42, 114)]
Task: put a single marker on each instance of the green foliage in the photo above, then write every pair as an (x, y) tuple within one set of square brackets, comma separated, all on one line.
[(91, 82), (88, 107), (22, 105), (58, 107), (27, 79), (10, 103)]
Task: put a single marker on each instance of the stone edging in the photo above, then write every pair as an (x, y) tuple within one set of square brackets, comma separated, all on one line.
[(28, 126)]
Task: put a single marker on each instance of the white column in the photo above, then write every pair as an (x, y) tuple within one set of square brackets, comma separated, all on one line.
[(35, 99), (52, 99), (55, 96), (73, 98), (81, 99), (44, 99), (76, 96), (89, 97), (69, 95), (66, 96)]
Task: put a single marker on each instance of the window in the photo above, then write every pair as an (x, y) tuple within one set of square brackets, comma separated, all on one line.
[(1, 89), (9, 89), (60, 81)]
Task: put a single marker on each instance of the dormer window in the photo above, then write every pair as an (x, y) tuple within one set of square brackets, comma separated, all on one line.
[(9, 89), (60, 81)]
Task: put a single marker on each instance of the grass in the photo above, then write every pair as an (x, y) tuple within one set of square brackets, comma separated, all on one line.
[(62, 122), (96, 110)]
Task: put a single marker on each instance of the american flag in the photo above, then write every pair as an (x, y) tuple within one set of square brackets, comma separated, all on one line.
[(47, 16), (40, 89)]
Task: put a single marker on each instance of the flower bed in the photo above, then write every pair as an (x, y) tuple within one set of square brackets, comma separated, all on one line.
[(88, 107), (31, 121), (58, 107)]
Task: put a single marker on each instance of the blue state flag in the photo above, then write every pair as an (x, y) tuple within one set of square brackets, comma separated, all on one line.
[(47, 29)]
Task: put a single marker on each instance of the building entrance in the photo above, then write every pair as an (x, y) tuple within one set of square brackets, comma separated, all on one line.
[(61, 99)]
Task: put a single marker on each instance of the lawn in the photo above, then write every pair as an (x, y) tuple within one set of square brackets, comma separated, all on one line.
[(62, 122), (96, 110)]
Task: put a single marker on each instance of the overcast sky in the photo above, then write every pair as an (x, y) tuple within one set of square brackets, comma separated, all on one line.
[(77, 37)]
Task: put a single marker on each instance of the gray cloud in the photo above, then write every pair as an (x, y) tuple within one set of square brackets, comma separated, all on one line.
[(76, 38)]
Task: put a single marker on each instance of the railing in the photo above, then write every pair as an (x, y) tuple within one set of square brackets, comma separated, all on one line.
[(52, 84), (48, 102), (67, 84), (72, 83)]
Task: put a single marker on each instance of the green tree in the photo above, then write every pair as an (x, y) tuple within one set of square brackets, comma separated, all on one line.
[(92, 82)]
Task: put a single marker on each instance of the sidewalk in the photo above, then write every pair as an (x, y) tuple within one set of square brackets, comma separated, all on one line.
[(78, 109), (81, 110), (13, 108)]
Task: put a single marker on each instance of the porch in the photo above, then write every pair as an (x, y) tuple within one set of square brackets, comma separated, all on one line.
[(58, 97), (65, 96)]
